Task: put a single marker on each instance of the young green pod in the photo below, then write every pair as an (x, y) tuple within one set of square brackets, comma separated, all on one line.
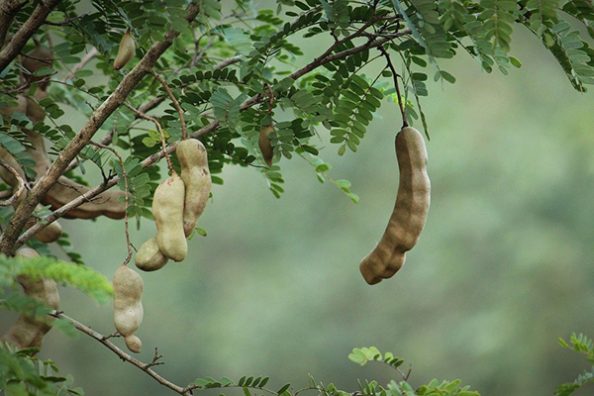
[(265, 145), (168, 211), (193, 160), (127, 305), (149, 257), (410, 211), (125, 51)]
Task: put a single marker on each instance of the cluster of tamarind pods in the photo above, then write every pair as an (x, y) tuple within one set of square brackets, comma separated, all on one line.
[(178, 202)]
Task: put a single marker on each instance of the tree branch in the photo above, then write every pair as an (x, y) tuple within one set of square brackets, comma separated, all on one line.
[(8, 9), (256, 99), (83, 62), (20, 38), (146, 367), (77, 143)]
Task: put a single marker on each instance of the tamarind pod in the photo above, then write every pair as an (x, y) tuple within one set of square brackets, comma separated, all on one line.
[(35, 112), (38, 153), (410, 210), (265, 145), (28, 331), (48, 234), (20, 107), (168, 211), (195, 174), (125, 51), (149, 257), (109, 203), (133, 343), (5, 174), (127, 304), (37, 58)]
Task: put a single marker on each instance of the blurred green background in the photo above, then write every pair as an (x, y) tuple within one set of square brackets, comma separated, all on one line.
[(504, 267)]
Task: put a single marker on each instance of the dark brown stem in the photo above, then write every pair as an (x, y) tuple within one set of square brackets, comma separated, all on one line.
[(395, 76), (20, 38)]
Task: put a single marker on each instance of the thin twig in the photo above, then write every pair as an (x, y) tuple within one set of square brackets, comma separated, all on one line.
[(182, 120), (83, 62), (395, 75), (126, 199), (20, 187), (146, 367), (161, 134)]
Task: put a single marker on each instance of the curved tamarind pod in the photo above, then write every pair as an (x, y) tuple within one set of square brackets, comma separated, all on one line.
[(127, 305), (149, 257), (109, 203), (28, 331), (36, 59), (125, 51), (410, 211), (193, 160), (5, 174), (265, 145), (168, 211), (48, 234)]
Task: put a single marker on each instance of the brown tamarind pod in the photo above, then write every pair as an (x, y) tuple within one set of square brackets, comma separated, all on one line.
[(109, 203), (126, 51), (410, 211), (48, 234), (265, 145), (36, 59), (28, 331), (149, 257), (5, 174), (168, 211), (127, 305), (35, 112), (193, 160), (19, 107)]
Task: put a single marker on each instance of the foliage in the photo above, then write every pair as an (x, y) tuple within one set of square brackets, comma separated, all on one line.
[(225, 102), (22, 373), (583, 345)]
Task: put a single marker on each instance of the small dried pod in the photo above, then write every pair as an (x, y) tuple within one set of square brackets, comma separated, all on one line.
[(168, 211), (265, 145), (36, 59), (193, 160), (28, 331), (410, 211), (127, 305), (126, 51), (149, 257)]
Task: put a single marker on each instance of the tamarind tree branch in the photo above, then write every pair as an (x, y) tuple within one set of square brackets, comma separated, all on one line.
[(146, 367), (8, 9), (20, 38), (84, 136), (213, 126)]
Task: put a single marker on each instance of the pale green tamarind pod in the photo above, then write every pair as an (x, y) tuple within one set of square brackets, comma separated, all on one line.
[(168, 211), (410, 211), (265, 145), (149, 257), (127, 305), (193, 160), (126, 51), (28, 331)]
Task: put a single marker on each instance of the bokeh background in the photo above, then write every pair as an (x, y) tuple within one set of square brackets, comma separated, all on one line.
[(504, 267)]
